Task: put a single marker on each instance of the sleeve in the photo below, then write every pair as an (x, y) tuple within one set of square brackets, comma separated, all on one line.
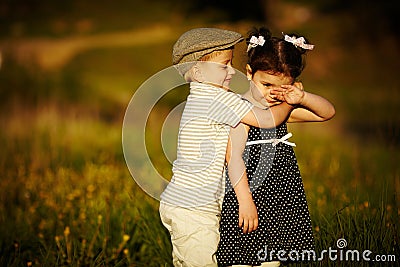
[(228, 108)]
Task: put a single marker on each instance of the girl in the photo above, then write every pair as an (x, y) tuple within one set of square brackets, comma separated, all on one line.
[(265, 219)]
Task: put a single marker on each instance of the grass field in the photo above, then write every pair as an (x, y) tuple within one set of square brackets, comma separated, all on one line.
[(67, 197)]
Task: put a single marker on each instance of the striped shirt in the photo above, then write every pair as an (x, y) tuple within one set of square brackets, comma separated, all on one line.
[(197, 181)]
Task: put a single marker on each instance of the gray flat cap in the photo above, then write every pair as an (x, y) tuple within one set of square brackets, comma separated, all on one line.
[(195, 43)]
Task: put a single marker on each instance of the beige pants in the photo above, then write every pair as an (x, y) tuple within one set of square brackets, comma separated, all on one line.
[(194, 236)]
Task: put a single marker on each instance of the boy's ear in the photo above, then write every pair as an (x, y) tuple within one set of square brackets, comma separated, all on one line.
[(249, 72), (196, 74)]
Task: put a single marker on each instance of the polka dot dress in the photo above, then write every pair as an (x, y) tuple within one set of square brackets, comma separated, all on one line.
[(278, 193)]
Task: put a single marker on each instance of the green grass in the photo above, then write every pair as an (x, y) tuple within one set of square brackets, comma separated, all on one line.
[(70, 174)]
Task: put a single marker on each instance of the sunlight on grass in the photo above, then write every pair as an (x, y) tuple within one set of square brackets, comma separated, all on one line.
[(71, 191)]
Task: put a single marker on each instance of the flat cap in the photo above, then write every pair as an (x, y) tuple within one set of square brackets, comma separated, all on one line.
[(195, 43)]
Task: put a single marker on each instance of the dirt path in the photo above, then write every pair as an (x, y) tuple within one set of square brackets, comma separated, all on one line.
[(50, 53)]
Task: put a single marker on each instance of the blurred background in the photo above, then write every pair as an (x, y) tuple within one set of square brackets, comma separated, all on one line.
[(68, 70)]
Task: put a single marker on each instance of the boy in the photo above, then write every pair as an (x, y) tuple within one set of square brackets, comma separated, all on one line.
[(189, 206)]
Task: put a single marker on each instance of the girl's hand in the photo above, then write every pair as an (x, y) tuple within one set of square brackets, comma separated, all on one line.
[(248, 217), (293, 94), (275, 96)]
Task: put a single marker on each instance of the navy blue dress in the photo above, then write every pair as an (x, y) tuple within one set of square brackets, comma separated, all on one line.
[(278, 193)]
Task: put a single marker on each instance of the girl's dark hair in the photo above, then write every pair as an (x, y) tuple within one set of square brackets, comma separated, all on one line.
[(276, 55)]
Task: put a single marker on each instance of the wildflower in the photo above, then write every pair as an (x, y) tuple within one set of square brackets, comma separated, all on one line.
[(67, 231), (90, 188), (82, 216), (70, 197), (126, 238)]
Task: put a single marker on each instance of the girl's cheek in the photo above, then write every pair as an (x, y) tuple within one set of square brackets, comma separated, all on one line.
[(266, 91)]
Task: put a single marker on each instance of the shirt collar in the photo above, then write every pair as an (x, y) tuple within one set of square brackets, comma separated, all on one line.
[(196, 87)]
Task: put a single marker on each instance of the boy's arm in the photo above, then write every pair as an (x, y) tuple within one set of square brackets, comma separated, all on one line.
[(268, 118), (248, 217)]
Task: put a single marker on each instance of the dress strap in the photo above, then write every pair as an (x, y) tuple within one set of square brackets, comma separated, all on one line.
[(274, 141)]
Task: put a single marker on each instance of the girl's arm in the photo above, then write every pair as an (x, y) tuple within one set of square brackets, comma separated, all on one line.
[(248, 217), (311, 107)]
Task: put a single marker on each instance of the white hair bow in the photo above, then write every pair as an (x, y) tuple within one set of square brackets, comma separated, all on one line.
[(298, 42), (254, 41)]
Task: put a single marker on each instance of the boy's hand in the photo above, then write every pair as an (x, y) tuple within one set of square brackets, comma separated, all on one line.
[(248, 217), (291, 94)]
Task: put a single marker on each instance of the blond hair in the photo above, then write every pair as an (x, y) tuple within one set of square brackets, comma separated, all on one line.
[(210, 56), (207, 57)]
